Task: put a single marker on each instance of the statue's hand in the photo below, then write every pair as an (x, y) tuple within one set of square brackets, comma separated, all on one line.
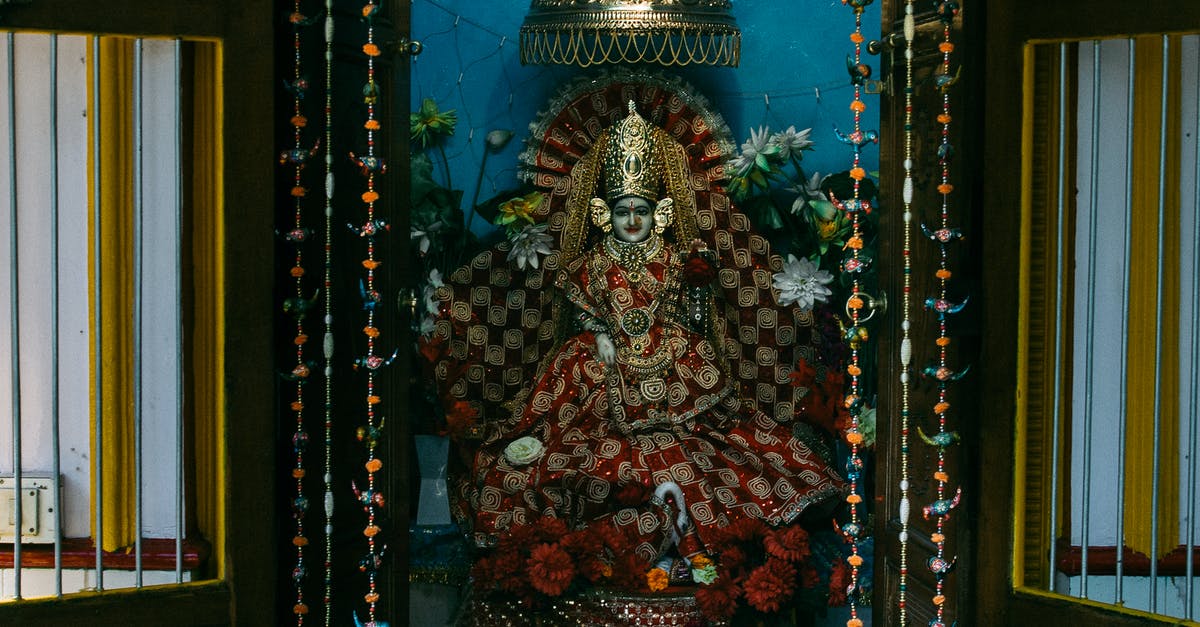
[(605, 349)]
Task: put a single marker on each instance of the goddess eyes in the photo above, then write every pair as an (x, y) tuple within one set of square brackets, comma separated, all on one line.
[(625, 213)]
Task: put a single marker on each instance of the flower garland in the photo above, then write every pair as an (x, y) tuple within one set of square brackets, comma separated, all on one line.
[(298, 306), (853, 265), (327, 344), (371, 166), (943, 236), (910, 29)]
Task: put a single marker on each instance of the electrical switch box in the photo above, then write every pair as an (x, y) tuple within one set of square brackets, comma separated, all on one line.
[(37, 509)]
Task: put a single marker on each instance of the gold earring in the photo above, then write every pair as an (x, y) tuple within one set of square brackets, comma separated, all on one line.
[(601, 216), (664, 213)]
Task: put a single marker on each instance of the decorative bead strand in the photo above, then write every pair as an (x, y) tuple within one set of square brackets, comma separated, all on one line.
[(852, 532), (371, 165), (939, 565), (327, 344), (298, 235), (906, 324)]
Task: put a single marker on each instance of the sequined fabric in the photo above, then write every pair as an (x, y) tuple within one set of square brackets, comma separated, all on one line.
[(664, 412), (501, 343)]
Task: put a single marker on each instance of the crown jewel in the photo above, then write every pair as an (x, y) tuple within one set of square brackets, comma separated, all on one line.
[(632, 166)]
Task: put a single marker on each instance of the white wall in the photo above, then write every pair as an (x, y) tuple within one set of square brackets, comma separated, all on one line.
[(1107, 338), (160, 283)]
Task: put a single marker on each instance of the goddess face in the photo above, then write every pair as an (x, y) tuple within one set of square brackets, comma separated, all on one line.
[(632, 218)]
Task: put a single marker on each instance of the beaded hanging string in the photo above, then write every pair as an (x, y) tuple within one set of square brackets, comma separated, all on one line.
[(298, 305), (327, 344), (942, 237), (852, 265), (906, 308), (371, 166)]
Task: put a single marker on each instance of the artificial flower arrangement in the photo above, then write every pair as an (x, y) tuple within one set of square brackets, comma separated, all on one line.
[(760, 573), (805, 217)]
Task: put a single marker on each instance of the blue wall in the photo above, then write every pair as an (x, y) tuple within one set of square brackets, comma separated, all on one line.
[(793, 53)]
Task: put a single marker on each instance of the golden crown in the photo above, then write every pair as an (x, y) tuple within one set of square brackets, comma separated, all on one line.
[(632, 166)]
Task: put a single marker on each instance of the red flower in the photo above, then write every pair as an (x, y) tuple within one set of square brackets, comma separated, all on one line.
[(697, 271), (460, 417), (809, 578), (432, 349), (789, 543), (770, 586), (839, 584), (582, 544), (824, 404), (804, 374), (748, 529), (732, 557), (550, 529), (518, 538), (629, 571), (550, 569), (719, 600)]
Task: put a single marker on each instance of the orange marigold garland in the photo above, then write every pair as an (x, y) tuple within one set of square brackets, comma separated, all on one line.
[(854, 263), (298, 305), (942, 307), (371, 166)]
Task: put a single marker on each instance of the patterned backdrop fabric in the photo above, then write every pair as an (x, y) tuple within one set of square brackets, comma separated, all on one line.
[(496, 323)]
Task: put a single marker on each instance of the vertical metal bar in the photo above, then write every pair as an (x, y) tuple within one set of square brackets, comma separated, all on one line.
[(1158, 332), (1124, 365), (55, 457), (97, 322), (1058, 306), (179, 502), (15, 321), (1194, 404), (138, 202), (1089, 361)]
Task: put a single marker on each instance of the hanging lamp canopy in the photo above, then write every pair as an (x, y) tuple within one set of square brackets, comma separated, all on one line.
[(662, 32)]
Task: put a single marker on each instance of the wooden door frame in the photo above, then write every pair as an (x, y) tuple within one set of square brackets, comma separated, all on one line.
[(1010, 25), (247, 594)]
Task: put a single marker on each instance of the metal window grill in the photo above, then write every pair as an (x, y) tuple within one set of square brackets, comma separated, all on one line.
[(1111, 97), (55, 412)]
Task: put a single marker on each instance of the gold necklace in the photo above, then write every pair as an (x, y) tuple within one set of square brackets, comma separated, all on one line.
[(633, 256)]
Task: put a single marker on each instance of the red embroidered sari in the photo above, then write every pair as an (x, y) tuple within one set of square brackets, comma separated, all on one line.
[(667, 411)]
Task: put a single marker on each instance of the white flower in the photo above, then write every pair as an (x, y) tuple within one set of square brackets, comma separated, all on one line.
[(528, 244), (421, 236), (759, 148), (429, 292), (790, 142), (802, 283), (741, 165), (524, 450), (810, 190), (498, 138)]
